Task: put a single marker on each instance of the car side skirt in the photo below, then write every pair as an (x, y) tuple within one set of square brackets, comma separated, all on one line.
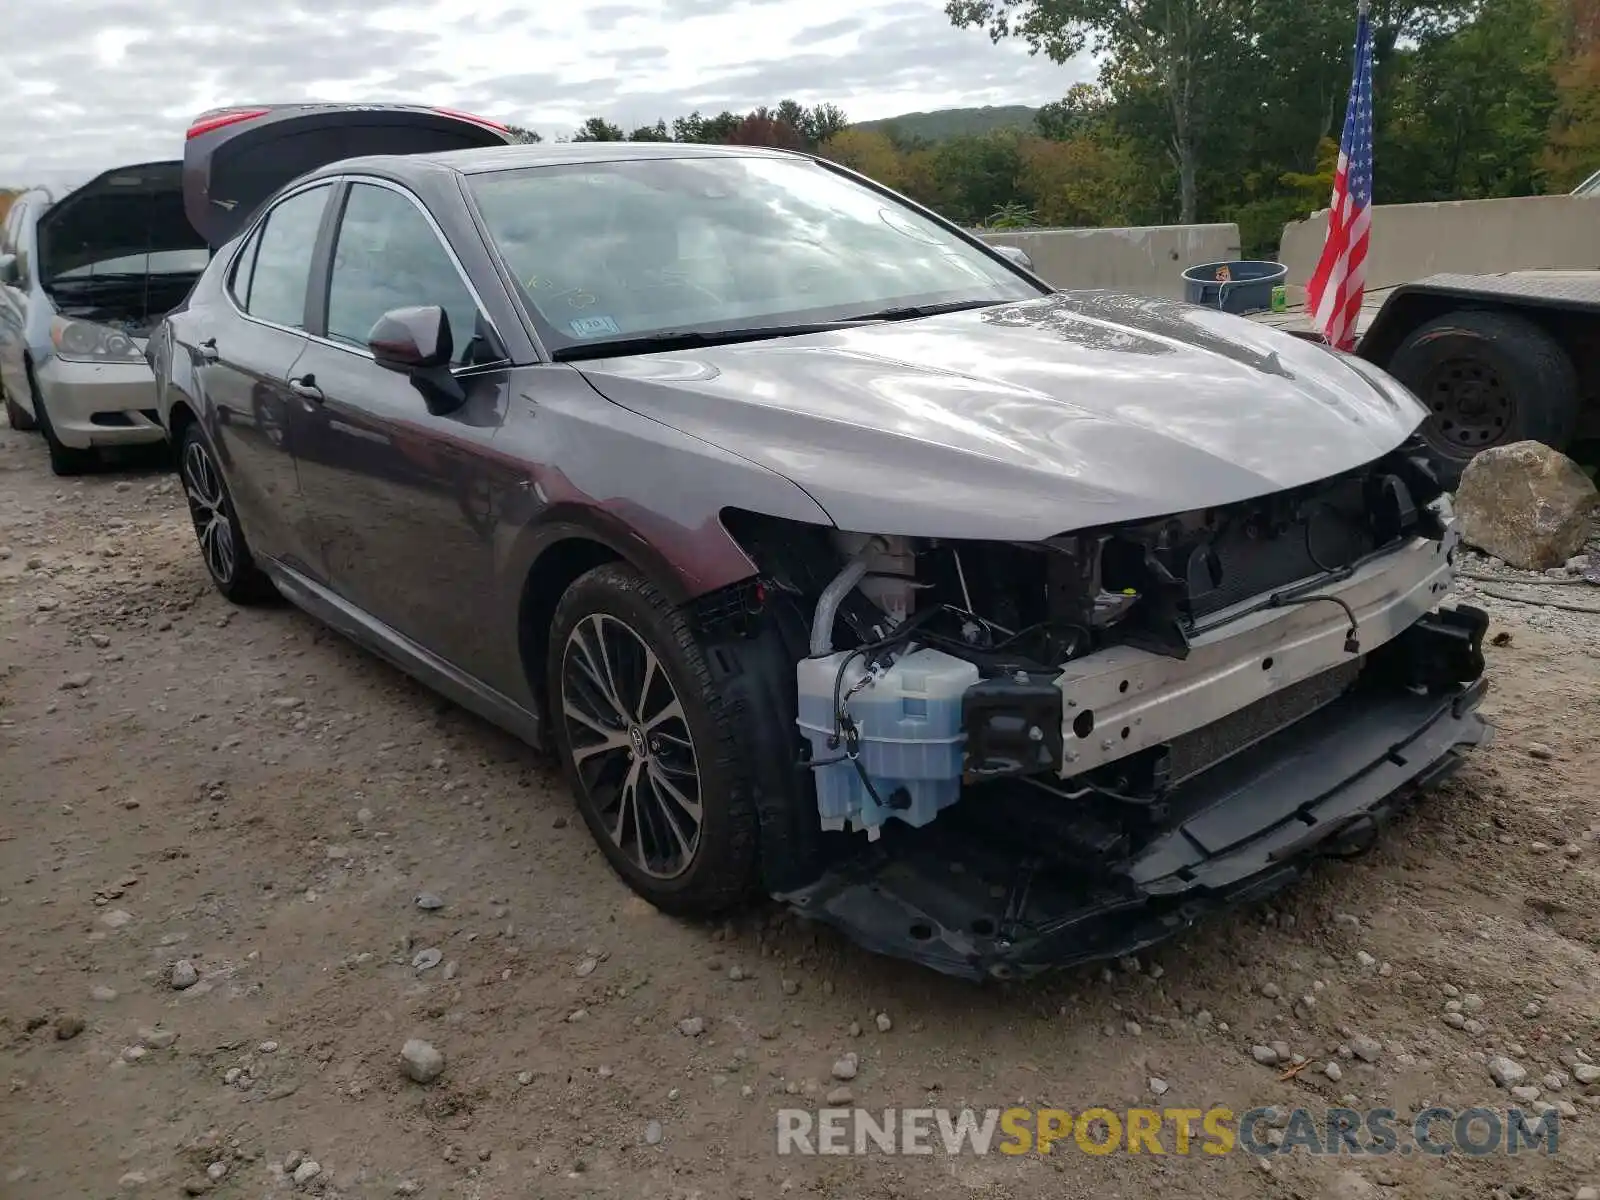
[(400, 651)]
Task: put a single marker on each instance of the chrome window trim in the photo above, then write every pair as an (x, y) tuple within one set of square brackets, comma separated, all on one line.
[(438, 233), (245, 243)]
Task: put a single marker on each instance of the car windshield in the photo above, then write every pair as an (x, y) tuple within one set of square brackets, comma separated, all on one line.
[(623, 250)]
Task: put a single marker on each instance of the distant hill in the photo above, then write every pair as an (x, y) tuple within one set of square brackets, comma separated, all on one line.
[(953, 122)]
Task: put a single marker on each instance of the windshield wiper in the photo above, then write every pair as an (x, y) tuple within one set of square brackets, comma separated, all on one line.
[(910, 312), (692, 339)]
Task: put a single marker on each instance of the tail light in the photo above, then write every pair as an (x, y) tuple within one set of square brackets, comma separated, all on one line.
[(474, 118), (221, 118)]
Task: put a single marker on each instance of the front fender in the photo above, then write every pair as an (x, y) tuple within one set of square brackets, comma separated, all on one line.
[(648, 493)]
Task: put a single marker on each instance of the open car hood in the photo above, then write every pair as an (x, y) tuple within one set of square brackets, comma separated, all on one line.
[(1027, 420), (126, 212)]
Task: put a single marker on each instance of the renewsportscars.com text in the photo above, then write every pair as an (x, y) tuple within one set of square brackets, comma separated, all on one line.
[(1174, 1131)]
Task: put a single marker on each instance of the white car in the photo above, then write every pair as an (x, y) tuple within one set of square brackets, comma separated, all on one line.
[(83, 281)]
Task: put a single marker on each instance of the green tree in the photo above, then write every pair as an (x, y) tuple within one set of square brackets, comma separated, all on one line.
[(695, 128), (1572, 151), (1180, 45), (1472, 106), (1076, 182), (523, 134), (651, 133), (826, 120), (976, 175), (598, 129), (868, 151), (1084, 110)]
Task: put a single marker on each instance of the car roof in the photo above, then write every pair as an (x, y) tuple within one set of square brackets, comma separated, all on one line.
[(486, 159)]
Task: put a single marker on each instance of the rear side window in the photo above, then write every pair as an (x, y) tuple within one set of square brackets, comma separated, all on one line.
[(388, 256), (243, 268), (284, 245)]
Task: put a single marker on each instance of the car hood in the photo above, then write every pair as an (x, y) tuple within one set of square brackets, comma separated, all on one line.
[(1025, 420), (125, 213)]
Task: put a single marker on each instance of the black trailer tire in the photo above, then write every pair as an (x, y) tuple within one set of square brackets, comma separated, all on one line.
[(1487, 379), (622, 655)]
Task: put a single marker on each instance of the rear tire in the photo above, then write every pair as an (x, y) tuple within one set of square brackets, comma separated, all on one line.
[(17, 416), (1487, 379), (649, 745), (216, 525), (64, 459)]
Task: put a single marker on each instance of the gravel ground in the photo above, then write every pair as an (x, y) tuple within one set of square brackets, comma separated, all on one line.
[(255, 886)]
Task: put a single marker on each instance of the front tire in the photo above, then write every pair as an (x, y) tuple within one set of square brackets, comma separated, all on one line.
[(649, 745), (1487, 379), (64, 460), (216, 525)]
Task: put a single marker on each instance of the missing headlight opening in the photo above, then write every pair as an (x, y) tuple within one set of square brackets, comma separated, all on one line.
[(1024, 738)]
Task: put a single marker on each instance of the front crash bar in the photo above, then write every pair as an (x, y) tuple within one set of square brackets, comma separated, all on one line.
[(1122, 700)]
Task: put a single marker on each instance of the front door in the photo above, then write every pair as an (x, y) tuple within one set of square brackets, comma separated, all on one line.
[(254, 417), (405, 502)]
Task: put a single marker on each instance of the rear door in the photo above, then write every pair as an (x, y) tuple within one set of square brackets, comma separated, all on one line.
[(235, 158), (405, 502), (247, 355)]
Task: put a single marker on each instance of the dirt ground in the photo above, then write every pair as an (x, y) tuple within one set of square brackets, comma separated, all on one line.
[(244, 791)]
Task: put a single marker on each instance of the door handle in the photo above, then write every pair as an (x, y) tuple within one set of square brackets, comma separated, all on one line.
[(305, 386), (208, 350)]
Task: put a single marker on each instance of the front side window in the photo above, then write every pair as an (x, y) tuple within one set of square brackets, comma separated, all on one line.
[(285, 246), (630, 248), (387, 256)]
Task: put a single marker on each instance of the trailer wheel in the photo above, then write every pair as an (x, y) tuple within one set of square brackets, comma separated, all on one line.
[(1487, 378)]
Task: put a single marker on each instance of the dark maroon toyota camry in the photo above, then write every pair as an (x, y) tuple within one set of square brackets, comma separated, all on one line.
[(835, 554)]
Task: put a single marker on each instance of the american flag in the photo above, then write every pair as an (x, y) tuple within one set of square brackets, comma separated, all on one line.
[(1336, 288)]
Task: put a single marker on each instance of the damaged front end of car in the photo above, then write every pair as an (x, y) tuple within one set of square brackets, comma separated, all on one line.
[(1025, 756)]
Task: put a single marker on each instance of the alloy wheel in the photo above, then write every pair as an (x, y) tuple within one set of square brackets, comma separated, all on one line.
[(208, 506), (631, 745)]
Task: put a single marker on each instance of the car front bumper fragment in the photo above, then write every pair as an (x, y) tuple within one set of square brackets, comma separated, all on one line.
[(980, 893)]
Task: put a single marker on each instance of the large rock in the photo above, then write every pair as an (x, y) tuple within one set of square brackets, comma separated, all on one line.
[(1527, 504)]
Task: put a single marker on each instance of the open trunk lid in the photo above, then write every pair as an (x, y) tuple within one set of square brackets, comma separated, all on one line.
[(117, 223), (234, 158)]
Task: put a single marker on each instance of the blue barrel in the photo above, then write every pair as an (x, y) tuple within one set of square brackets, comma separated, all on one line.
[(1240, 286)]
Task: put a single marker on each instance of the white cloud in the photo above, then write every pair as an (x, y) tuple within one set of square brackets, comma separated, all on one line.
[(102, 82)]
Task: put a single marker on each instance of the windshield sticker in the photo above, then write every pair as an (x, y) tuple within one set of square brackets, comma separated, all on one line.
[(586, 327)]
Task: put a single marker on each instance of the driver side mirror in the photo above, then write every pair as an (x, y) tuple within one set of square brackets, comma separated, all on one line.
[(417, 342), (412, 339), (8, 269)]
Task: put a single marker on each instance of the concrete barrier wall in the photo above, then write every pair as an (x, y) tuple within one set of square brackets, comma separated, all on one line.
[(1412, 241), (1148, 260)]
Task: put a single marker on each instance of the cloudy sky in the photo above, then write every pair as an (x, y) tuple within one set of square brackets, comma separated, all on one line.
[(95, 83)]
